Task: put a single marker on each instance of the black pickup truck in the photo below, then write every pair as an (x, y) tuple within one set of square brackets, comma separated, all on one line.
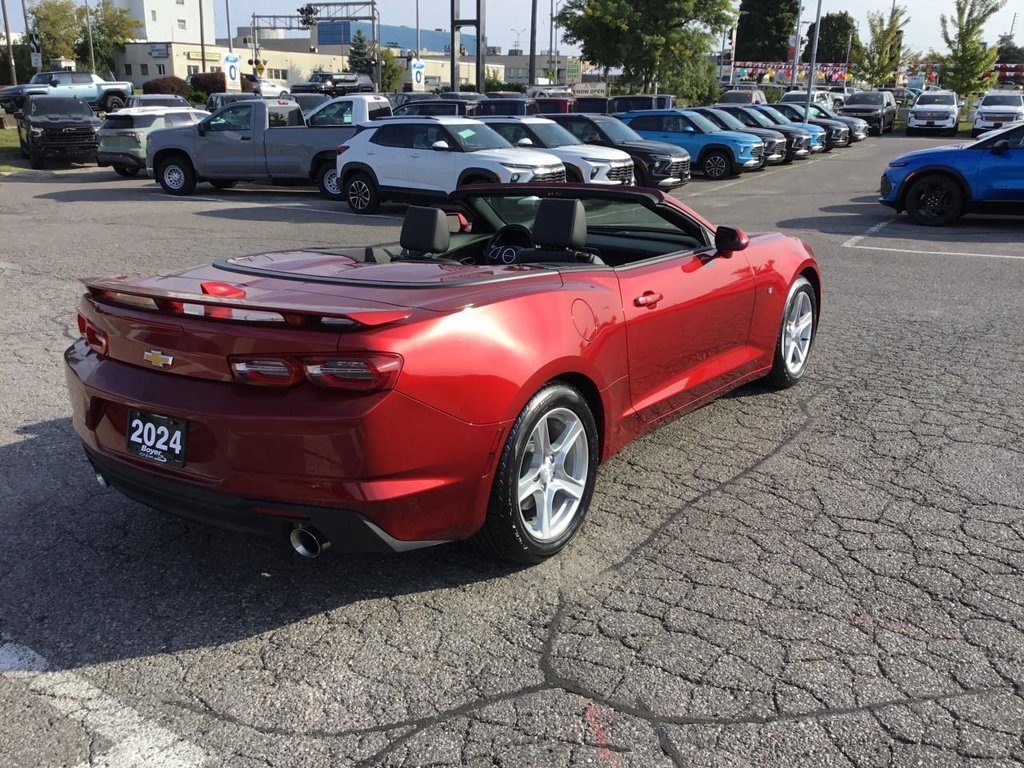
[(57, 126), (335, 84)]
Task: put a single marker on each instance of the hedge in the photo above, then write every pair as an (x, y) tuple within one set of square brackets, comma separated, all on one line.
[(171, 85), (209, 82)]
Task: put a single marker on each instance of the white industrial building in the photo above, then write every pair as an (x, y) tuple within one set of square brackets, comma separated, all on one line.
[(171, 21)]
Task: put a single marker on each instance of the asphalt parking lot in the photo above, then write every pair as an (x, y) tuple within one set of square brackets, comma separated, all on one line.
[(827, 576)]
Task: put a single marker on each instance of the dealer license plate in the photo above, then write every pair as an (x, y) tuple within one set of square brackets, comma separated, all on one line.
[(160, 439), (931, 122)]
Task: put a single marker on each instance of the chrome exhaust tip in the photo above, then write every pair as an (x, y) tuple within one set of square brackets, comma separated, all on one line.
[(101, 481), (308, 542)]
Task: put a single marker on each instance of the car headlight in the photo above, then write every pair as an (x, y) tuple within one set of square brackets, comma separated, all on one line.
[(597, 160), (517, 167), (661, 158), (37, 132), (1019, 116)]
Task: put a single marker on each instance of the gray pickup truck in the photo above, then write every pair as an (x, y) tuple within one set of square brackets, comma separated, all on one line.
[(99, 94), (256, 140)]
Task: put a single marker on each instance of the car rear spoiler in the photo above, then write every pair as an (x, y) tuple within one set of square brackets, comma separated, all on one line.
[(115, 290)]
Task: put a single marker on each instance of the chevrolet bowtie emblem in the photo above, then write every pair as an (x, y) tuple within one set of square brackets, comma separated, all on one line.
[(157, 358)]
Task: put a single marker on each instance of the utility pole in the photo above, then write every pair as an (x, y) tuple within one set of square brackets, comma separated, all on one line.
[(812, 72), (202, 37), (551, 40), (227, 14), (88, 27), (796, 45), (1013, 24), (533, 43), (10, 45)]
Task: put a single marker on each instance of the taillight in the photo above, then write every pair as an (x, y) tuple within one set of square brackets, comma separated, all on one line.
[(341, 150), (365, 372), (94, 337)]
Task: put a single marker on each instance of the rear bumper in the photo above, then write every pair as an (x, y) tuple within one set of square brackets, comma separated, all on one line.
[(104, 159)]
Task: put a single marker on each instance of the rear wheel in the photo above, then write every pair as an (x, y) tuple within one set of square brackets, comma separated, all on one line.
[(935, 201), (545, 478), (113, 103), (126, 170), (796, 335), (361, 193), (327, 181), (176, 175), (716, 165)]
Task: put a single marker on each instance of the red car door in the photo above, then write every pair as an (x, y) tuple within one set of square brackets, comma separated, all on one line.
[(687, 328)]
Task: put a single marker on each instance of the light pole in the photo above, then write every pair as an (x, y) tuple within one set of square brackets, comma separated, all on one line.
[(796, 45), (227, 14), (88, 26), (518, 33), (812, 72), (732, 54), (10, 46), (417, 29)]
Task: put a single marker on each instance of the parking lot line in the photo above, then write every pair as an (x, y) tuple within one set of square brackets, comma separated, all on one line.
[(935, 253), (137, 742), (852, 242)]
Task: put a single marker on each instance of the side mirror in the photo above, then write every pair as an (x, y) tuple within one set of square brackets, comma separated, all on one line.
[(18, 115), (687, 129), (201, 127), (524, 142), (440, 146), (54, 83), (729, 240), (1000, 147)]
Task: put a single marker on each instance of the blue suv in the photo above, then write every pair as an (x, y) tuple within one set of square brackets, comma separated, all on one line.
[(937, 186), (719, 153)]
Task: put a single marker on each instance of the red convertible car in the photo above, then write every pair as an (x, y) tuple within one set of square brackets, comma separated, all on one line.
[(463, 383)]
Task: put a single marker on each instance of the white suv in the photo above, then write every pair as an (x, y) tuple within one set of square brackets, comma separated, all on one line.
[(583, 162), (934, 111), (997, 109), (416, 158)]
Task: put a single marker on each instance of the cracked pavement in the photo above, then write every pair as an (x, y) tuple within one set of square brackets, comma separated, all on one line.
[(826, 576)]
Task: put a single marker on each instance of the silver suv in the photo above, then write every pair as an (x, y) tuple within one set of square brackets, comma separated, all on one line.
[(424, 158)]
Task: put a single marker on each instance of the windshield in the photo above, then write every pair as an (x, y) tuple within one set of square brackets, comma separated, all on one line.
[(616, 130), (473, 138), (57, 105), (774, 115), (705, 125), (825, 111), (553, 135), (756, 116), (1003, 100), (869, 99), (611, 214), (735, 97), (724, 119), (947, 99)]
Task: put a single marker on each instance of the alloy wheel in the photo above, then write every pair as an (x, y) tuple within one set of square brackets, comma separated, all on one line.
[(715, 167), (797, 332), (174, 178), (358, 194)]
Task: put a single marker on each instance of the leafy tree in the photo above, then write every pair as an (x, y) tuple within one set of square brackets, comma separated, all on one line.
[(648, 38), (56, 23), (884, 53), (965, 65), (111, 29), (764, 29), (1009, 51), (838, 30), (359, 54), (693, 80), (390, 72)]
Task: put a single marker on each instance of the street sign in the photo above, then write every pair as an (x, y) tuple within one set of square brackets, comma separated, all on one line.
[(260, 69), (36, 59), (33, 43), (232, 75), (418, 70)]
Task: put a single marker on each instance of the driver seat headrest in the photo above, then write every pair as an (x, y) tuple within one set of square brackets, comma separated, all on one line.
[(560, 223), (424, 230)]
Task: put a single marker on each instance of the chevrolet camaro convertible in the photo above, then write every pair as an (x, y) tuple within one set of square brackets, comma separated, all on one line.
[(463, 383)]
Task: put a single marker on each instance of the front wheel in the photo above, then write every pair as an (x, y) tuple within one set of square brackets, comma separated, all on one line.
[(545, 478), (113, 103), (716, 165), (361, 193), (796, 335), (35, 161), (934, 201), (327, 181), (176, 176), (127, 171)]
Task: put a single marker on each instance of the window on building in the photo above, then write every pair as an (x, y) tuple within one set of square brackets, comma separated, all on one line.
[(128, 70), (143, 69), (161, 69), (181, 2), (192, 69), (277, 74), (216, 69), (152, 15), (181, 24)]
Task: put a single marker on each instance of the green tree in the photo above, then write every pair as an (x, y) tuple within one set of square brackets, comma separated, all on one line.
[(648, 38), (56, 23), (764, 29), (838, 30), (1009, 51), (964, 67), (693, 80), (884, 53), (359, 54), (390, 72), (111, 29)]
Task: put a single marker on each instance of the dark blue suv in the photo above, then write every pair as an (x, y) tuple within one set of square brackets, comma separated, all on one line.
[(937, 186)]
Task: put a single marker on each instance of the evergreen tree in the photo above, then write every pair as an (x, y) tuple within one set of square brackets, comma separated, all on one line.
[(838, 31), (764, 29), (1009, 51), (359, 54)]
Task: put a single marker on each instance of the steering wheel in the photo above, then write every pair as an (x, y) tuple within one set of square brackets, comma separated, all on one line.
[(511, 234)]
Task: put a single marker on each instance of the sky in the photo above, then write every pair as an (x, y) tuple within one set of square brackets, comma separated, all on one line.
[(505, 19)]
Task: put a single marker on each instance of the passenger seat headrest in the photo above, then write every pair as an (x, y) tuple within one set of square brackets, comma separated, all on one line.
[(560, 223), (425, 230)]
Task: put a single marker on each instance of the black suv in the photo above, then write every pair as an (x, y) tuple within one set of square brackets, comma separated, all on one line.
[(57, 126), (335, 84), (878, 108), (656, 164)]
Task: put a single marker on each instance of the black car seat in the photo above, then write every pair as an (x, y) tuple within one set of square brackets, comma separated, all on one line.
[(424, 230), (559, 234)]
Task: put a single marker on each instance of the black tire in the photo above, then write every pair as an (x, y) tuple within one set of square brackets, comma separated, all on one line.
[(505, 532), (361, 193), (573, 175), (327, 181), (934, 201), (176, 175), (716, 165), (469, 180), (24, 150), (643, 176), (222, 183), (910, 131), (952, 133), (113, 103), (36, 161), (126, 170), (784, 375)]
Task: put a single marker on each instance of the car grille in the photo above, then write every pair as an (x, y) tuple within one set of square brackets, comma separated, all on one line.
[(840, 134), (775, 147), (801, 142), (558, 175), (680, 169), (623, 173), (66, 137), (757, 151), (885, 187), (932, 116), (1001, 117)]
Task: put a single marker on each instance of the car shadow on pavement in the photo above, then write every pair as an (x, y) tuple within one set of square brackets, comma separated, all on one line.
[(90, 576)]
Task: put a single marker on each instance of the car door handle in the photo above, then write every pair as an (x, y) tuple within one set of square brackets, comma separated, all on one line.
[(648, 299), (245, 138)]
